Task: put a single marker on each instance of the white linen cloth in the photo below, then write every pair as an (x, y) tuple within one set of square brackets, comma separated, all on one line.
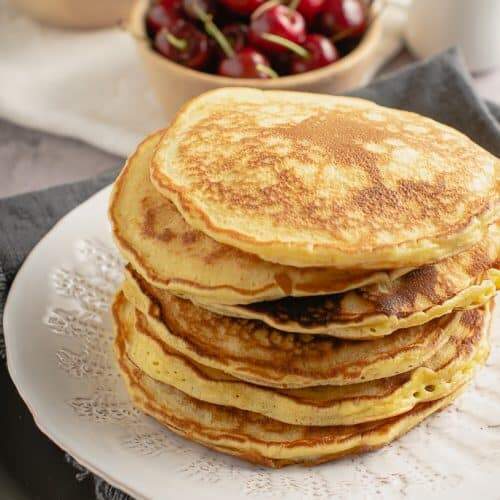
[(90, 85)]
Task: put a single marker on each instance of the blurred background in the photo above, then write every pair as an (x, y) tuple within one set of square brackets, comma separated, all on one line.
[(107, 72)]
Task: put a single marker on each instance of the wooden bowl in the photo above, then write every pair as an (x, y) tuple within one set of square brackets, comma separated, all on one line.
[(81, 14), (175, 84)]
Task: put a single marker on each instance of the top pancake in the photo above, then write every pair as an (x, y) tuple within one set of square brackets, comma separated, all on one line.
[(152, 235), (312, 180)]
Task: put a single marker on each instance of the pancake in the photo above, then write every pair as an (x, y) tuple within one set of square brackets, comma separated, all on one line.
[(251, 351), (469, 279), (315, 180), (450, 368), (256, 438), (152, 235)]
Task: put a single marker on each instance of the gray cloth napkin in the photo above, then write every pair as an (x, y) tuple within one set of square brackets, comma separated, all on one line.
[(439, 88)]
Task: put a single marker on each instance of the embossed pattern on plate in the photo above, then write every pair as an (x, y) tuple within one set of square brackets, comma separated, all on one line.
[(58, 339)]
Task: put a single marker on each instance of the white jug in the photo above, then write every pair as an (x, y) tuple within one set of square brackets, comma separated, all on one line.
[(473, 25)]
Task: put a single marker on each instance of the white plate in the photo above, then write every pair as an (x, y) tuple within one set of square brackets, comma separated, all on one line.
[(57, 331)]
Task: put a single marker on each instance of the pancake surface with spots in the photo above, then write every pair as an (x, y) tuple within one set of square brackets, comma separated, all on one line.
[(313, 180), (151, 234)]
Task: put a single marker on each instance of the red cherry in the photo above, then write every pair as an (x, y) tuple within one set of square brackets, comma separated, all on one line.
[(172, 5), (244, 7), (343, 16), (277, 21), (158, 16), (310, 8), (247, 63), (321, 53), (183, 44)]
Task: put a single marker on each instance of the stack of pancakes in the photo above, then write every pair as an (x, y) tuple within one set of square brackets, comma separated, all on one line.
[(307, 276)]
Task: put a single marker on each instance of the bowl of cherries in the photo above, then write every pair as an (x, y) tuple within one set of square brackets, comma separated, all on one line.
[(191, 46)]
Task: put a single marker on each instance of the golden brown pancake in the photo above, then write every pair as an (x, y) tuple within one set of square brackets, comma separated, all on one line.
[(466, 280), (452, 366), (315, 180), (152, 235), (254, 437), (251, 351)]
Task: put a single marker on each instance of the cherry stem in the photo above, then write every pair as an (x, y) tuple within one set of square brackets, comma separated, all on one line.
[(214, 31), (178, 43), (267, 70), (284, 42), (262, 8), (293, 4)]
